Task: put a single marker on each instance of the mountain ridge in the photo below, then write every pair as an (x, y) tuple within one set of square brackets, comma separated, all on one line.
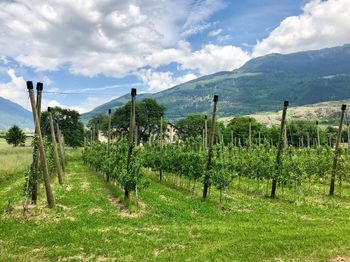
[(12, 113), (259, 85)]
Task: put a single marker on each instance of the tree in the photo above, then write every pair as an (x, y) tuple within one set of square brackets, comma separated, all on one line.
[(15, 136), (190, 126), (99, 123), (69, 123), (148, 114), (239, 128)]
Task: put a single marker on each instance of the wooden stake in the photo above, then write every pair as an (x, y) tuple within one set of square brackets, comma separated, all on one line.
[(49, 195), (318, 134), (210, 149), (205, 132), (55, 149), (250, 132), (285, 136), (131, 136), (36, 159), (279, 149), (61, 145), (109, 131), (336, 152), (348, 139)]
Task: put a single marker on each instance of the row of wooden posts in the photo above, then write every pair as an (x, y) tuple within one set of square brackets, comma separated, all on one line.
[(208, 142), (39, 155)]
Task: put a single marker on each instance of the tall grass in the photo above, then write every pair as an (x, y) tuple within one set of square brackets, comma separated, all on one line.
[(13, 160)]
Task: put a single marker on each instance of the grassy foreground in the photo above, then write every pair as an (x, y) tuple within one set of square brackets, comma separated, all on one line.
[(89, 224)]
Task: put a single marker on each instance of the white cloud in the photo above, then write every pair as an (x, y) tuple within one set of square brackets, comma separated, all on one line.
[(85, 105), (215, 32), (94, 37), (15, 90), (322, 24), (213, 58), (158, 81)]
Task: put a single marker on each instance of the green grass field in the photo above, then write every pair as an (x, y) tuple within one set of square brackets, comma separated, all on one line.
[(90, 223)]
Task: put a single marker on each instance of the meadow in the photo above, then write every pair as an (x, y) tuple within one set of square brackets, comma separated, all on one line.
[(13, 160), (90, 222)]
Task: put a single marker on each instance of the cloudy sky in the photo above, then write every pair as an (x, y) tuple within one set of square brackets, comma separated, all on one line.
[(87, 52)]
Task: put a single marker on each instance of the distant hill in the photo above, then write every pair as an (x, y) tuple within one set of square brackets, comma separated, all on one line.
[(258, 86), (328, 113), (13, 114)]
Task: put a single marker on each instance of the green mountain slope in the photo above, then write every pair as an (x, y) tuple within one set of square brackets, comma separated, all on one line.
[(327, 113), (260, 85), (13, 114)]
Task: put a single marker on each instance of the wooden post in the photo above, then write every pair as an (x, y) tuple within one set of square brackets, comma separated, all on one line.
[(36, 157), (348, 138), (49, 195), (61, 145), (336, 152), (210, 149), (161, 130), (279, 149), (131, 136), (55, 149), (250, 132), (318, 134), (205, 132), (285, 136), (109, 131), (308, 139)]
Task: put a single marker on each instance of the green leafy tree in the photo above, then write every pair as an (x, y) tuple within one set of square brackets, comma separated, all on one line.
[(191, 126), (69, 123), (15, 136), (148, 114), (239, 128)]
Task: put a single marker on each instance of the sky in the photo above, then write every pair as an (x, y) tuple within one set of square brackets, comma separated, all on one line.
[(87, 52)]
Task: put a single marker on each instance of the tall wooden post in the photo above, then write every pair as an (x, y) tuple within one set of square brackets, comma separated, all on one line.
[(161, 130), (279, 149), (109, 130), (336, 152), (131, 136), (55, 149), (250, 132), (285, 136), (205, 131), (61, 145), (318, 134), (210, 149), (348, 138), (308, 139), (36, 157), (49, 195)]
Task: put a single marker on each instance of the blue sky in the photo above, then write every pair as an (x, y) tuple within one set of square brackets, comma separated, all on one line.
[(89, 52)]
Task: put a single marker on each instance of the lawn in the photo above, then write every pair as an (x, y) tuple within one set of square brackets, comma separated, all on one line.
[(90, 223)]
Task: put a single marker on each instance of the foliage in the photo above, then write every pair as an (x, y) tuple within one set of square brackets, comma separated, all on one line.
[(15, 136), (69, 123), (148, 114), (115, 164), (190, 126)]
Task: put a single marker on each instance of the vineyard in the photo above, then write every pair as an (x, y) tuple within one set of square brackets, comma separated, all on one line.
[(209, 197)]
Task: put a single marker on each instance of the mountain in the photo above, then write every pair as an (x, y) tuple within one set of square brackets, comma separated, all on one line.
[(260, 85), (13, 114), (327, 113)]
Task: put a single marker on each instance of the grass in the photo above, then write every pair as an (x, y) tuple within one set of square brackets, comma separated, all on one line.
[(89, 223), (14, 160)]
